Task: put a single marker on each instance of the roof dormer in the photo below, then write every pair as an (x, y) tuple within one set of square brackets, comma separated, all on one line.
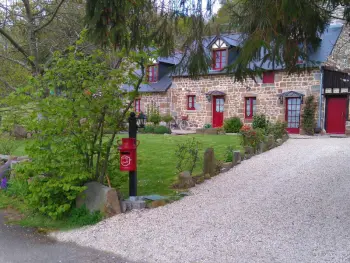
[(219, 44)]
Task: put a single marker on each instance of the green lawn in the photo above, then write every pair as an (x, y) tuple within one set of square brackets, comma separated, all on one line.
[(157, 163)]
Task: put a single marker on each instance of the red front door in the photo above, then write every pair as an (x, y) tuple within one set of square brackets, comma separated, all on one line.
[(293, 114), (218, 111), (336, 115)]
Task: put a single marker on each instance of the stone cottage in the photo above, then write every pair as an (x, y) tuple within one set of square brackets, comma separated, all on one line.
[(216, 96)]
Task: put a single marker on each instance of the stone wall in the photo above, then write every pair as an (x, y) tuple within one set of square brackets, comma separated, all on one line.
[(266, 95), (340, 57), (160, 99)]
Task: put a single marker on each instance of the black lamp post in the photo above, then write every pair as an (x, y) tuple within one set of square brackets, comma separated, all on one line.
[(132, 174), (141, 120), (134, 124)]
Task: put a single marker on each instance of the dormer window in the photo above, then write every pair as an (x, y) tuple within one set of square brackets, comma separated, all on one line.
[(219, 59), (219, 54), (152, 73)]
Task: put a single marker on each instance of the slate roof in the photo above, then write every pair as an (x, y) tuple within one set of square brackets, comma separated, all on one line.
[(161, 86), (328, 41), (164, 83)]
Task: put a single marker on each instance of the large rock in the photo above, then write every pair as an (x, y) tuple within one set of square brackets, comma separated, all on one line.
[(98, 197), (209, 163), (19, 132)]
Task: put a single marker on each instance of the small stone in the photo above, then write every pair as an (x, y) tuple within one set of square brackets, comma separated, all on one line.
[(20, 132), (185, 180), (157, 203), (279, 142), (209, 162), (207, 176), (237, 158), (227, 165)]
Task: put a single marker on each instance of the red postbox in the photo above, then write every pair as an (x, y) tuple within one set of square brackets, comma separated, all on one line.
[(127, 151)]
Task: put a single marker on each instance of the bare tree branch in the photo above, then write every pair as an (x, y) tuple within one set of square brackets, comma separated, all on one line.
[(7, 84), (52, 17), (21, 63), (17, 46)]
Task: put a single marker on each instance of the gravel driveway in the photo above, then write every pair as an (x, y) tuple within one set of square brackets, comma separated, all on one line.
[(291, 204)]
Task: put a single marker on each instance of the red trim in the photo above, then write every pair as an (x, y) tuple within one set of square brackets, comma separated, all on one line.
[(221, 63), (251, 107), (137, 105), (292, 130), (152, 73), (269, 77), (191, 100)]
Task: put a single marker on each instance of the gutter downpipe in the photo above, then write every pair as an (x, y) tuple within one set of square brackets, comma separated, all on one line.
[(320, 101)]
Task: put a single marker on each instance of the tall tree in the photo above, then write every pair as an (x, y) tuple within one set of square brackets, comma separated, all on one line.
[(281, 32), (32, 29)]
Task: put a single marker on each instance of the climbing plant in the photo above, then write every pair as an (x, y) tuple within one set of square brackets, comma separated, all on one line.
[(308, 116)]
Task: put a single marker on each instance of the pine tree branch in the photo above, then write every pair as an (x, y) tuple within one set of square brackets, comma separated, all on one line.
[(52, 17)]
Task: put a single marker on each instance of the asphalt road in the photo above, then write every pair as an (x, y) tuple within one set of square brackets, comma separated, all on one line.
[(25, 245)]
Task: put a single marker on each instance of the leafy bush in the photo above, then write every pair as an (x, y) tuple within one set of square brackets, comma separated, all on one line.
[(229, 153), (187, 155), (251, 137), (260, 121), (149, 129), (161, 130), (207, 126), (82, 217), (308, 117), (167, 118), (278, 129), (8, 145), (153, 114), (233, 125)]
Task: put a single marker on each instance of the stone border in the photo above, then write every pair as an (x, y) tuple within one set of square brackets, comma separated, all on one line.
[(213, 167)]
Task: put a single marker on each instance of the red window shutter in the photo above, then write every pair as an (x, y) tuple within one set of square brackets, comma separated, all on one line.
[(269, 77)]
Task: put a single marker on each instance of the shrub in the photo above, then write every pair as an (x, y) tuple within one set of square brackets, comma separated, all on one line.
[(7, 145), (233, 125), (153, 114), (278, 129), (82, 217), (207, 126), (18, 187), (187, 155), (308, 117), (149, 129), (251, 137), (161, 130), (260, 121), (229, 154), (167, 118)]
